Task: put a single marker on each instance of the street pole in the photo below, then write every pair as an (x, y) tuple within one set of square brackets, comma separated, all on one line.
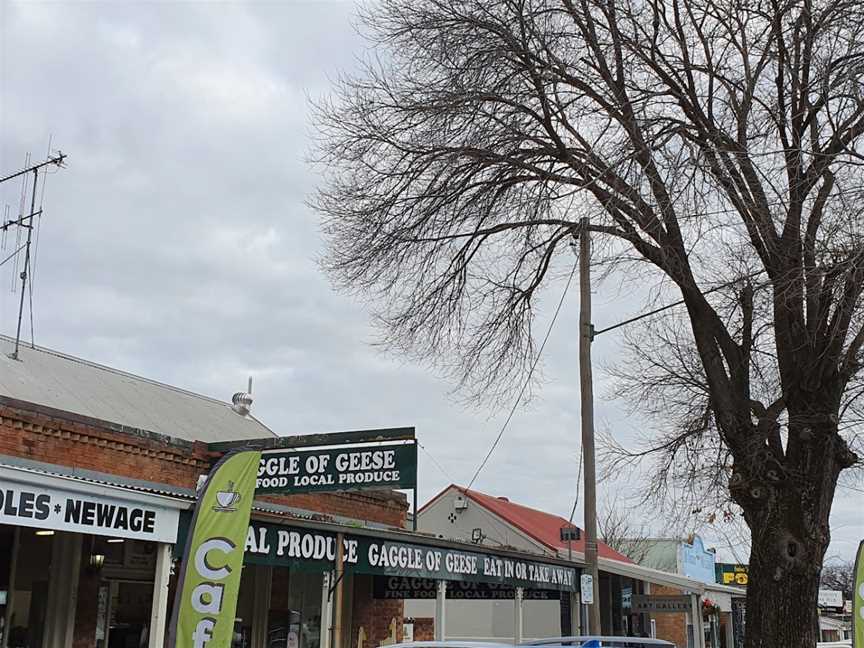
[(586, 334)]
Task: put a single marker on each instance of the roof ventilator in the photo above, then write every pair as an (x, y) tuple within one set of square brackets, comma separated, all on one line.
[(241, 402)]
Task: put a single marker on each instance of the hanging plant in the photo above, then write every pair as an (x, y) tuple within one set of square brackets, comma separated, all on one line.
[(710, 607)]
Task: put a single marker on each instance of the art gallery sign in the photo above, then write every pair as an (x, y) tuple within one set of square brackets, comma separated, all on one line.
[(659, 604)]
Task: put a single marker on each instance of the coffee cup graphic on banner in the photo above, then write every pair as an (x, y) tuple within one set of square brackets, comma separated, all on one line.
[(227, 499)]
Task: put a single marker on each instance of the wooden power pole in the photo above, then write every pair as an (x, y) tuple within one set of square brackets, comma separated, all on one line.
[(586, 335)]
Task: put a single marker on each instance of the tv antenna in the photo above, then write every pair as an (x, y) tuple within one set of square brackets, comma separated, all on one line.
[(25, 221)]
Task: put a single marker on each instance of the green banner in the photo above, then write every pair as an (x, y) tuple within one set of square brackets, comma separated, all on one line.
[(315, 550), (858, 600), (732, 574), (338, 469), (206, 599), (386, 557)]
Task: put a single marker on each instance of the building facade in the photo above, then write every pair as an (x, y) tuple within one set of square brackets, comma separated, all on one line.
[(671, 595), (98, 478)]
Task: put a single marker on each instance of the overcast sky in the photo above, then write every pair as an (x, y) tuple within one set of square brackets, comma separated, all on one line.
[(176, 244)]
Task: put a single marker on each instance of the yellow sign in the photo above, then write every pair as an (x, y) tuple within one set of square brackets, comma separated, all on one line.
[(731, 574)]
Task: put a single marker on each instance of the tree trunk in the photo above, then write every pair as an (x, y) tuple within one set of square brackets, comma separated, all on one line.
[(781, 604), (787, 504)]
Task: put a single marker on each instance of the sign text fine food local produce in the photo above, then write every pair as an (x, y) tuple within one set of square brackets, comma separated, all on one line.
[(338, 469)]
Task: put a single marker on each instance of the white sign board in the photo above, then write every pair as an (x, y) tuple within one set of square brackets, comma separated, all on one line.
[(42, 507), (830, 598), (407, 632), (587, 587)]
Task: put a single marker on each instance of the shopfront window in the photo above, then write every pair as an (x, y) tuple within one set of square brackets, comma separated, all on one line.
[(293, 617), (295, 611), (124, 594), (27, 559)]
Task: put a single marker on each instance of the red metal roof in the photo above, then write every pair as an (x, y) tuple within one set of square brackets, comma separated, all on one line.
[(543, 527)]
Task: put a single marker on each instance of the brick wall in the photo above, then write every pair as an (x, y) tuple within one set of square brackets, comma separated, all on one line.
[(67, 442), (375, 616), (671, 627), (75, 442)]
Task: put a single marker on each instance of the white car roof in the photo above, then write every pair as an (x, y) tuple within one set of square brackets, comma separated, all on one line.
[(620, 641)]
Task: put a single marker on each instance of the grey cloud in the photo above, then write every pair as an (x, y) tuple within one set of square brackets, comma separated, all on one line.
[(177, 245)]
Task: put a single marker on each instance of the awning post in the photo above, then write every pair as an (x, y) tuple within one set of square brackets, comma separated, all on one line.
[(517, 615), (441, 611), (696, 620), (159, 605), (326, 610), (575, 613), (338, 592)]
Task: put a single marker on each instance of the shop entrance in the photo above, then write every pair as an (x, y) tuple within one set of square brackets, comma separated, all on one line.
[(25, 559), (124, 594), (293, 600)]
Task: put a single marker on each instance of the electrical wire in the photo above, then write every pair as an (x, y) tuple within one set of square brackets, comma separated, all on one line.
[(527, 379), (578, 482), (680, 302), (436, 462)]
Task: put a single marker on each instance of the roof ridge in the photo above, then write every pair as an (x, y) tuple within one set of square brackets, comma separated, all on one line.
[(118, 372), (507, 500), (517, 524), (552, 544)]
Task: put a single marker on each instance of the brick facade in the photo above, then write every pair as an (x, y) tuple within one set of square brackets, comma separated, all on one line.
[(37, 433), (377, 617), (33, 432), (671, 627)]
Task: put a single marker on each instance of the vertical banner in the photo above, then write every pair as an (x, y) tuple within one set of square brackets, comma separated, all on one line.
[(206, 599), (858, 600)]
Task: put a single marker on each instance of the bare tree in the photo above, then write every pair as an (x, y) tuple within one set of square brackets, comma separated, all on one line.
[(840, 576), (711, 142), (617, 530)]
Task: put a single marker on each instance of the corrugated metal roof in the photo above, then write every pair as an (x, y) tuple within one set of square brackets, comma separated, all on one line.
[(70, 384)]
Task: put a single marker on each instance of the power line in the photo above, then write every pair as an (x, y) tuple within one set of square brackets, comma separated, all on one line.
[(527, 379), (578, 482), (436, 462), (680, 302)]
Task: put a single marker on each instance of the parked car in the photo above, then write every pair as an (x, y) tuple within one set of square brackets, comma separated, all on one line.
[(596, 641), (588, 641)]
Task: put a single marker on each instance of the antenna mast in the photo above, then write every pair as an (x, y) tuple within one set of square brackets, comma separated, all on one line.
[(26, 221)]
